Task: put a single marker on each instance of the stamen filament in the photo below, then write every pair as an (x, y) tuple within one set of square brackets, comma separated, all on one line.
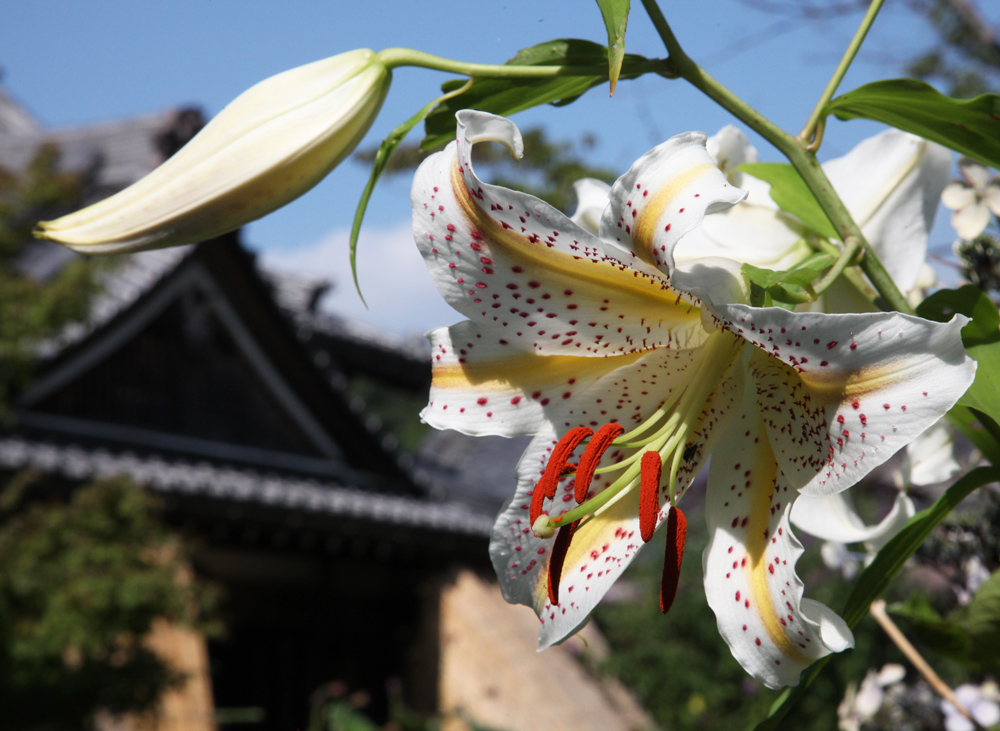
[(654, 417), (604, 499), (687, 405)]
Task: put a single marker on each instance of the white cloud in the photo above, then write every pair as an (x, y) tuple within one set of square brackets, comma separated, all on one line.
[(401, 298)]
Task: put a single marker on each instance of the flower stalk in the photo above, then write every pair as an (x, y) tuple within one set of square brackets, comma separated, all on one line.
[(812, 133), (877, 610), (396, 57)]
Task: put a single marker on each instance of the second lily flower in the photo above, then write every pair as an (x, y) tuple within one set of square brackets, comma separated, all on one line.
[(569, 330)]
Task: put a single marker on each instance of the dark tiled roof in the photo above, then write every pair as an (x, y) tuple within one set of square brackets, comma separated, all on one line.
[(223, 483)]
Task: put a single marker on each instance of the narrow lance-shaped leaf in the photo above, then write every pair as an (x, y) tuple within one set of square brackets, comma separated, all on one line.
[(507, 96), (615, 14), (790, 192), (970, 126), (385, 151)]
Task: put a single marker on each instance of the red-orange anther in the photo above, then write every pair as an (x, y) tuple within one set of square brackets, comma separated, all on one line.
[(556, 468), (649, 494), (592, 456), (676, 534), (559, 549)]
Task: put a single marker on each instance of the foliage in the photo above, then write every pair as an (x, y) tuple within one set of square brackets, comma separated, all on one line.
[(82, 580), (82, 576), (979, 263), (969, 126), (967, 54), (32, 310), (508, 96)]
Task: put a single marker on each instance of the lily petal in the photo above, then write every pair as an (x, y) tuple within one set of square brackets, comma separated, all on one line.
[(730, 148), (753, 234), (591, 200), (891, 184), (842, 393), (510, 260), (930, 458), (481, 386), (832, 518), (664, 195), (750, 578)]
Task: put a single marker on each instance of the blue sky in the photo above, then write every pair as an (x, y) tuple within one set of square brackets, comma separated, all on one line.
[(72, 62)]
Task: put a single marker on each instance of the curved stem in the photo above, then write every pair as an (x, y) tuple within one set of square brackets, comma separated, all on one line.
[(851, 248), (809, 131), (395, 57)]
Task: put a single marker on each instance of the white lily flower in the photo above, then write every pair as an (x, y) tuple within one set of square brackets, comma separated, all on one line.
[(973, 198), (267, 147), (890, 184), (577, 338)]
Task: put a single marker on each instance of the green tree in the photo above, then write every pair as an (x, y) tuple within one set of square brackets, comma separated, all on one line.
[(82, 578), (30, 310), (84, 571)]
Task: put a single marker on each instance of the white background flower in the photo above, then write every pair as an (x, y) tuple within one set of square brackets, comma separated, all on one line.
[(972, 198)]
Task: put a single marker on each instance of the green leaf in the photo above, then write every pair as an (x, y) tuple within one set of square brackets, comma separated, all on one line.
[(615, 14), (981, 338), (788, 287), (385, 150), (792, 195), (880, 572), (508, 96), (942, 635), (981, 620), (970, 126)]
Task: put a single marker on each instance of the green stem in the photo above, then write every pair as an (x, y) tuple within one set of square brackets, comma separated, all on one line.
[(809, 131), (395, 57), (800, 158), (851, 248)]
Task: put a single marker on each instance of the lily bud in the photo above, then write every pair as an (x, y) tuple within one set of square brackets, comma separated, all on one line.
[(267, 147)]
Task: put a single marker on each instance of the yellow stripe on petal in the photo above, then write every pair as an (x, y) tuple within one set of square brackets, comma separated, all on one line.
[(655, 207), (765, 470), (521, 370)]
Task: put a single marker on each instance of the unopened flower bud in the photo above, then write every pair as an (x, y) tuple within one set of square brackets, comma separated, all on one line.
[(266, 148)]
